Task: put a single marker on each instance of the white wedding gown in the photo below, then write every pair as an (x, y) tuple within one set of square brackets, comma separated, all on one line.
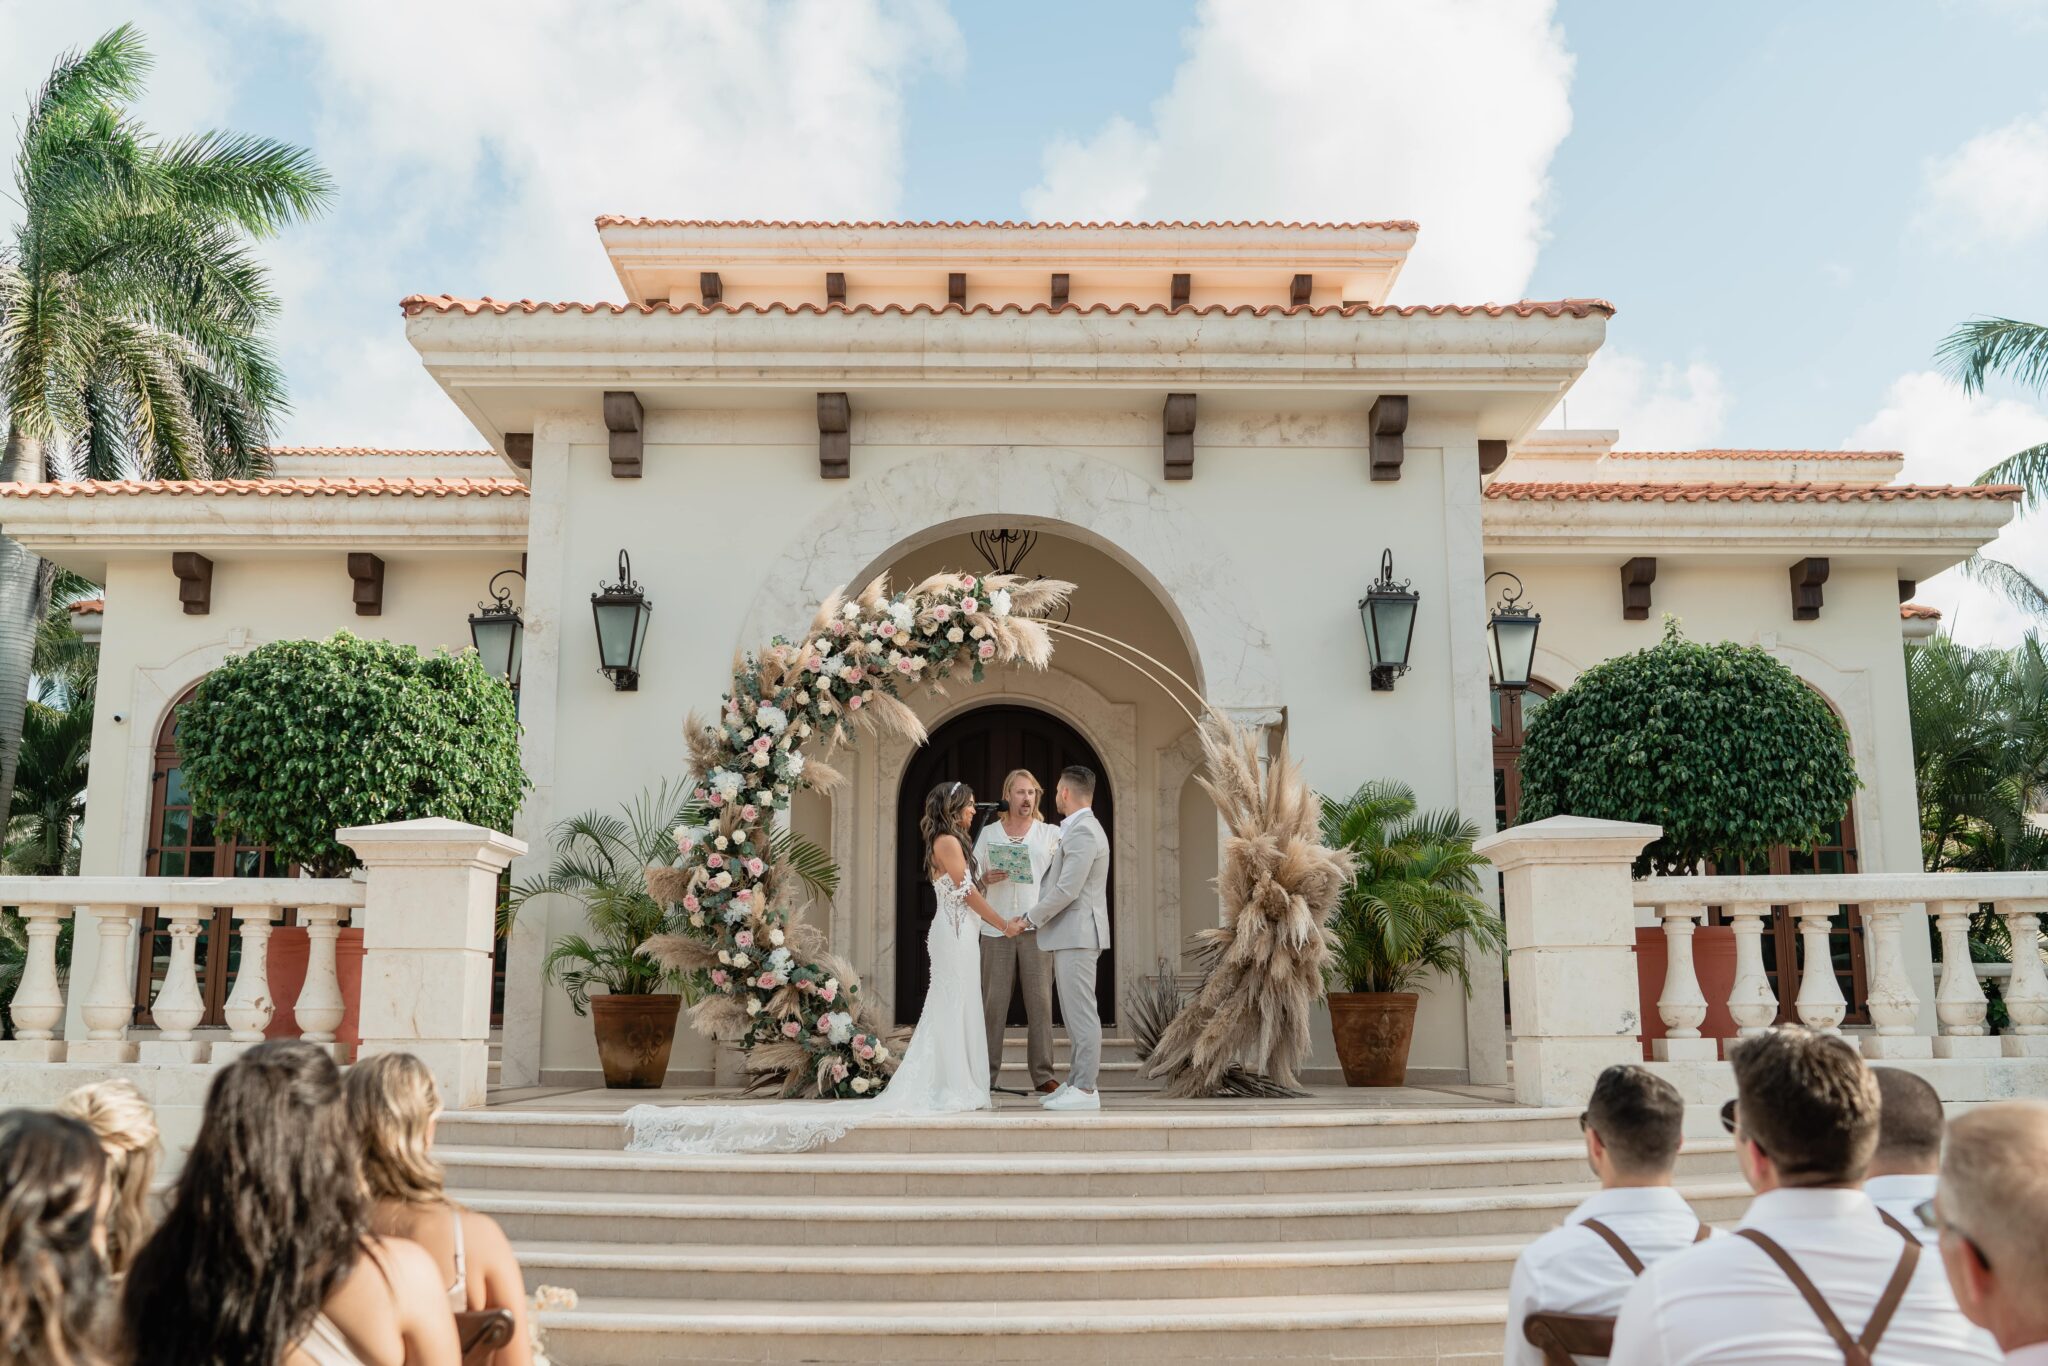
[(943, 1072)]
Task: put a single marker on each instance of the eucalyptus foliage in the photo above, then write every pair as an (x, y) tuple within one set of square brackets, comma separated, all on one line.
[(298, 739), (602, 860), (1721, 744), (1414, 905)]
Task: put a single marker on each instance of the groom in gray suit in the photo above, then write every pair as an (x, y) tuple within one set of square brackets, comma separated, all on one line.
[(1072, 920)]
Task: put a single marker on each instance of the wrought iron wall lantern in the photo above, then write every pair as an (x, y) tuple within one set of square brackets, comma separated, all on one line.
[(1388, 612), (498, 631), (1511, 635), (1004, 549), (621, 611)]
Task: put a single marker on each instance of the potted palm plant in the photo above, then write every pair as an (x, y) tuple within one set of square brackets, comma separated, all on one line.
[(602, 860), (1413, 908)]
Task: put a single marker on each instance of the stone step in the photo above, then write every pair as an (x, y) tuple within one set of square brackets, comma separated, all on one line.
[(1029, 1175), (1404, 1327), (955, 1275), (672, 1221), (1268, 1126)]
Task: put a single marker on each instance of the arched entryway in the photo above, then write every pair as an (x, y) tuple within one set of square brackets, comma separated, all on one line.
[(977, 748)]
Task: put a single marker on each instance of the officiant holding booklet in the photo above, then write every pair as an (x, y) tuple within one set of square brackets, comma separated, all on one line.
[(1014, 851)]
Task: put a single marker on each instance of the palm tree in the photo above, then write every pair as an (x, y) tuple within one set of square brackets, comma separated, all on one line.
[(132, 311), (67, 661), (1971, 354), (49, 791), (1980, 750), (1414, 904)]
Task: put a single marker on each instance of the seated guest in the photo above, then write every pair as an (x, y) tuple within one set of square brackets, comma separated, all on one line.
[(126, 1128), (392, 1105), (1632, 1125), (1812, 1274), (1992, 1215), (52, 1276), (1908, 1157), (265, 1254)]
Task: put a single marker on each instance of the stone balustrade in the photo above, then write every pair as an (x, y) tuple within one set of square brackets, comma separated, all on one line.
[(1891, 906), (426, 901)]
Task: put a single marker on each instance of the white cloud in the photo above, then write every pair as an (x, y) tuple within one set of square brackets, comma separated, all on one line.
[(1447, 112), (1668, 408), (1949, 437), (1994, 188), (473, 142)]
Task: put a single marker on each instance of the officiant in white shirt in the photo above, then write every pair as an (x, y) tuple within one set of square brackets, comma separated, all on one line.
[(1014, 851)]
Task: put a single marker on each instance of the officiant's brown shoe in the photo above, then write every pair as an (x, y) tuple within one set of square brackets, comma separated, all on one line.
[(1046, 1088)]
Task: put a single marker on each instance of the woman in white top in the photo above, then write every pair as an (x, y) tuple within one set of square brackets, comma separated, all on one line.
[(1005, 960)]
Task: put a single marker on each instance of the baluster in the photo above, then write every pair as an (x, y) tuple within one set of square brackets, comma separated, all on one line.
[(1752, 1002), (110, 1000), (38, 1006), (1820, 1002), (1681, 1006), (2026, 994), (1959, 999), (1894, 1008), (179, 1007), (319, 1008), (249, 1008)]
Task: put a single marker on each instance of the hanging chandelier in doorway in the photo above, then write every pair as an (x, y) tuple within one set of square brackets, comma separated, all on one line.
[(1004, 548)]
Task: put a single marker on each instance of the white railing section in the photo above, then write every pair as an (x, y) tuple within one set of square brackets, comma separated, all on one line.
[(1891, 905), (114, 907), (426, 903)]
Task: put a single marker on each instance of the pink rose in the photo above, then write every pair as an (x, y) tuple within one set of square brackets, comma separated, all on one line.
[(715, 861), (716, 799), (969, 605), (824, 1025), (906, 665), (887, 630), (987, 649), (942, 612), (853, 675), (745, 939), (967, 581), (854, 702), (839, 1071), (756, 867), (828, 993), (766, 982), (863, 1050), (750, 812), (791, 1030), (743, 894), (718, 977)]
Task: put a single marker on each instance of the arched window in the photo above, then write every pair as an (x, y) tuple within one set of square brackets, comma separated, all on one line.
[(183, 842), (1512, 713)]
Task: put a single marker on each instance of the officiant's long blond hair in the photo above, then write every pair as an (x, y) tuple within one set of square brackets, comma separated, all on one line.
[(1037, 807)]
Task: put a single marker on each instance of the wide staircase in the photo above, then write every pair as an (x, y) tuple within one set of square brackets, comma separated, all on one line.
[(1294, 1231)]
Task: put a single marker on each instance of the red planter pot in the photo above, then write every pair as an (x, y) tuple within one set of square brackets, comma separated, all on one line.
[(287, 965)]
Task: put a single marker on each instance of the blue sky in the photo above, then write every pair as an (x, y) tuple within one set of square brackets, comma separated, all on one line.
[(1789, 203)]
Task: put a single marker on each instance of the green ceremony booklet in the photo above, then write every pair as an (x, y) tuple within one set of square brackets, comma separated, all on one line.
[(1014, 859)]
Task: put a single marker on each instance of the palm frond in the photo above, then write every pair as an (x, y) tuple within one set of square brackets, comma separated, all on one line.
[(1982, 347), (2009, 581), (2027, 468)]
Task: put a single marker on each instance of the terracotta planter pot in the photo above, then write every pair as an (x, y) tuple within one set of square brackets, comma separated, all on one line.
[(1713, 961), (286, 965), (1374, 1030), (634, 1036)]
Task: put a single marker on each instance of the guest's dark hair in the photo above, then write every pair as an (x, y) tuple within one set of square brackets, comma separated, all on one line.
[(1809, 1102), (942, 807), (1639, 1116), (1080, 781), (51, 1277), (268, 1218), (1909, 1121)]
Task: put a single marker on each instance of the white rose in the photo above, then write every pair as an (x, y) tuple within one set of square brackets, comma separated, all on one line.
[(999, 602), (740, 960), (761, 758), (775, 938), (956, 635), (860, 1086), (725, 957), (881, 1054), (720, 842), (978, 632), (753, 1006), (697, 920), (851, 611), (746, 732)]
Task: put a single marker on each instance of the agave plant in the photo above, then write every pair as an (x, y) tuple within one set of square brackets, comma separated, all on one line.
[(602, 860), (1413, 906)]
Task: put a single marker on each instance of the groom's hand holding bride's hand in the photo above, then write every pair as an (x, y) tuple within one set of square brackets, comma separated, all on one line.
[(1015, 927)]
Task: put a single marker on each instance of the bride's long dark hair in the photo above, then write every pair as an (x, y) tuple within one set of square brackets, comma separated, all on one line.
[(942, 807)]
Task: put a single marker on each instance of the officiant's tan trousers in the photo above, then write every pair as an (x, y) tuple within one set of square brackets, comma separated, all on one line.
[(1003, 962)]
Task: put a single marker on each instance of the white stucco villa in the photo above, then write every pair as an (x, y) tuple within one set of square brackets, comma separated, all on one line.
[(1216, 430)]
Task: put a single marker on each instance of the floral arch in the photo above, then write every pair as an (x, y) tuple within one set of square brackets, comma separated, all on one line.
[(796, 1009)]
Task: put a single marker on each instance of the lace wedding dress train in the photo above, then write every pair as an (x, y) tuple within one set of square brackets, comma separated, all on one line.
[(943, 1072)]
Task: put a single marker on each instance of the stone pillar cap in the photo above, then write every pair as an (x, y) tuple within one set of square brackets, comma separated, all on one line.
[(1566, 839), (430, 839)]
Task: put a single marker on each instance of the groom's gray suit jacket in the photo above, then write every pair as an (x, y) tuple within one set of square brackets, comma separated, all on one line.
[(1073, 910)]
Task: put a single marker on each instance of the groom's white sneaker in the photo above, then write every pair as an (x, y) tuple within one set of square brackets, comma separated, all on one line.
[(1070, 1098), (1049, 1097)]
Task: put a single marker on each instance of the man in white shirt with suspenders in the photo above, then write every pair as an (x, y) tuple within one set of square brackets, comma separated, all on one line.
[(1908, 1157), (1633, 1126), (1813, 1275), (1991, 1215)]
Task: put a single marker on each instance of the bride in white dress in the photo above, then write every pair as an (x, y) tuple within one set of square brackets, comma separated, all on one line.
[(945, 1069)]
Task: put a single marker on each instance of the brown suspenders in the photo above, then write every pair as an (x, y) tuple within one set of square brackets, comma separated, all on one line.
[(1624, 1251), (1855, 1351), (1897, 1225)]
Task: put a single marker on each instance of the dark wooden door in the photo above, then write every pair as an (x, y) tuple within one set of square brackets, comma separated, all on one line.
[(978, 748)]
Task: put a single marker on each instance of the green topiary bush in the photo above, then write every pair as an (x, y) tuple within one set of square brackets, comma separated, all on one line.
[(1722, 745), (295, 740)]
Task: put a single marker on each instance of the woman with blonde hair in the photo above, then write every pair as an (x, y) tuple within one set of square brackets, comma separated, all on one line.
[(126, 1128), (1017, 849), (393, 1105)]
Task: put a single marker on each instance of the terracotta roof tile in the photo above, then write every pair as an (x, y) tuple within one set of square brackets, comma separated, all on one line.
[(272, 488), (1918, 611), (88, 607), (368, 450), (619, 220), (415, 304), (1748, 493), (1755, 455)]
